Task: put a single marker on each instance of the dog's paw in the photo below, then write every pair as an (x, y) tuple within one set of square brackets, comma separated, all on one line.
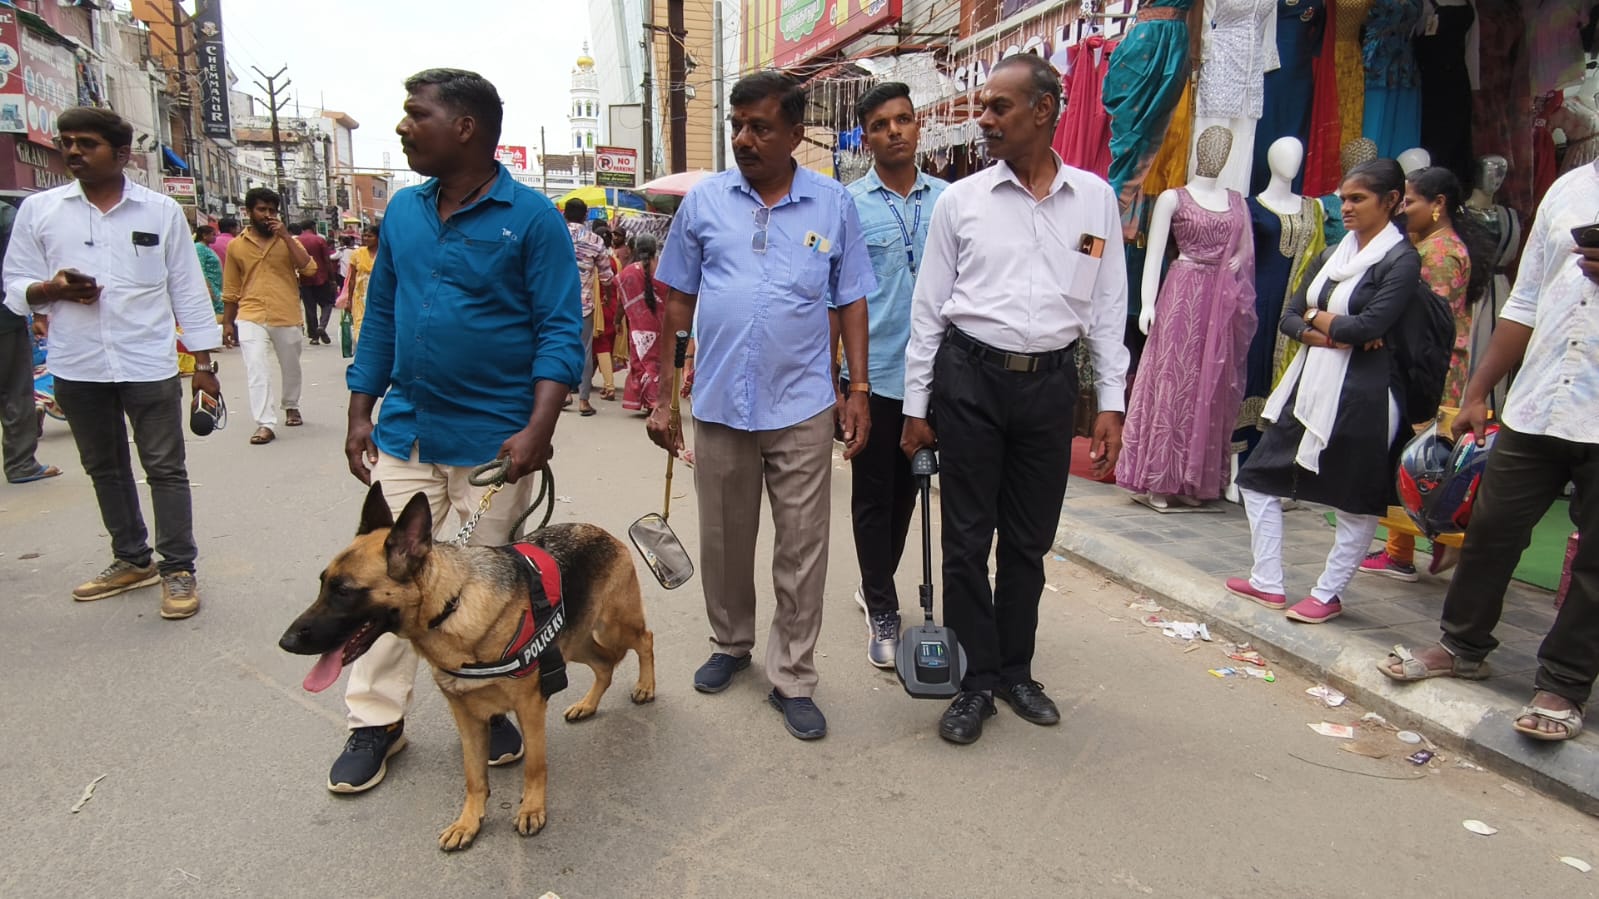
[(577, 711), (643, 694), (529, 822), (458, 836)]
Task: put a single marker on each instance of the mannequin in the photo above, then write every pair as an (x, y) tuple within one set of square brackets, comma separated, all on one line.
[(1504, 226), (1578, 118), (1236, 51), (1288, 236), (1414, 160), (1199, 321)]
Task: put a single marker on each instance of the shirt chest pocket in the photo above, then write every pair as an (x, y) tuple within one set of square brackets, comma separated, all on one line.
[(484, 265), (887, 249), (145, 266), (1082, 273), (812, 271)]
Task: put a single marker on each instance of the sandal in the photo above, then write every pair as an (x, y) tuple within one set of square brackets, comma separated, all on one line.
[(262, 436), (291, 417), (1570, 721), (586, 410), (38, 474), (1413, 669), (608, 394)]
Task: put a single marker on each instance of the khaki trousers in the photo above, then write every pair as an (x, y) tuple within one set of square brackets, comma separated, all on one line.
[(796, 465), (379, 689)]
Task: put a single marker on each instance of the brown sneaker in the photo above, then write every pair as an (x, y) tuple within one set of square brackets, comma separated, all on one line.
[(118, 577), (180, 595)]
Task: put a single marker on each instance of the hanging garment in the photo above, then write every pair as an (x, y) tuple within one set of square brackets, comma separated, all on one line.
[(1554, 35), (1185, 399), (1170, 167), (1321, 171), (1240, 48), (1351, 66), (1446, 85), (1501, 119), (1082, 138), (1580, 123), (1287, 90), (1544, 168), (1145, 78), (1392, 116), (1283, 243)]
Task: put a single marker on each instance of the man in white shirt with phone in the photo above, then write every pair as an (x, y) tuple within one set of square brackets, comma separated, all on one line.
[(109, 265)]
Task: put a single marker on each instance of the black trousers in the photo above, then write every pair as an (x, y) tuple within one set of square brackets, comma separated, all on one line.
[(19, 418), (1005, 443), (1525, 475), (882, 497), (96, 411), (314, 297)]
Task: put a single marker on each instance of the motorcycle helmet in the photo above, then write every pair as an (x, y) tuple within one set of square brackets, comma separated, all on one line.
[(1447, 508), (1423, 466)]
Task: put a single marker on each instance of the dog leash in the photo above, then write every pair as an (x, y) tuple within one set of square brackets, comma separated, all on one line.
[(492, 476)]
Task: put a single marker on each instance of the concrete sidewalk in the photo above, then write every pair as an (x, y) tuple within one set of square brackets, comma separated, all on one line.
[(1182, 559)]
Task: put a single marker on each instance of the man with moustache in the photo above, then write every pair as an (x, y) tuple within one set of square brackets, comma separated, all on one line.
[(758, 251), (895, 203), (471, 339), (1024, 259), (109, 264), (261, 310)]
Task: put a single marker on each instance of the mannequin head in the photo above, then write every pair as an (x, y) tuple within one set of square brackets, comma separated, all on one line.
[(1414, 160), (1214, 146), (1284, 157), (1356, 153), (1490, 173)]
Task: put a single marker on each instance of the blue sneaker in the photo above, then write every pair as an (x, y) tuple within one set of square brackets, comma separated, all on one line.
[(801, 716), (505, 741), (718, 671), (365, 758)]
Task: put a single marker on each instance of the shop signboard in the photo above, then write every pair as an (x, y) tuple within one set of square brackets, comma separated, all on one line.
[(215, 120), (50, 81), (782, 33), (512, 157), (615, 166), (13, 102)]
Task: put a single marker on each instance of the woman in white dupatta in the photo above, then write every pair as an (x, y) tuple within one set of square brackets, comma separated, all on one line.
[(1335, 414)]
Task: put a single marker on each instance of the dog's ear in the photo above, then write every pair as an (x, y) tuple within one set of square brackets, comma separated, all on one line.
[(410, 540), (375, 514)]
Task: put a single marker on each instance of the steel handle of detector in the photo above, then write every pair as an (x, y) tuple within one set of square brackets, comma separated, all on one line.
[(925, 589)]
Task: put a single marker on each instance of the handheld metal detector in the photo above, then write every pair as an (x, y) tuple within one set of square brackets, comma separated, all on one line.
[(651, 535), (930, 662)]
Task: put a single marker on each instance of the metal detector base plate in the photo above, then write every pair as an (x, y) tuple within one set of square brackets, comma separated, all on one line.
[(930, 663), (663, 553)]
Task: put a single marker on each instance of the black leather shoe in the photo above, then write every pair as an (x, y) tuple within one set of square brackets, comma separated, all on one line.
[(963, 720), (1027, 699)]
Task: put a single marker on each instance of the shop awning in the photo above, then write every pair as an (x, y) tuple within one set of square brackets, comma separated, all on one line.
[(174, 159)]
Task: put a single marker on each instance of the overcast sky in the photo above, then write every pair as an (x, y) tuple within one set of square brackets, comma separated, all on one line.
[(354, 55)]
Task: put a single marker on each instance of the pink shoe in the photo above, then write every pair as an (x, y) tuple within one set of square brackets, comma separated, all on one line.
[(1311, 610), (1242, 587), (1381, 563)]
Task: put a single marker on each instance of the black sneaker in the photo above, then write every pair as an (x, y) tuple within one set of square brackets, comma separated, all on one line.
[(800, 715), (718, 671), (505, 741), (365, 758)]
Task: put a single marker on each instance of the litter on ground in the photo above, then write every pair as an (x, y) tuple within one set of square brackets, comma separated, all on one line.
[(1243, 652), (1328, 729), (1477, 827), (1145, 604), (1327, 694), (88, 793), (1420, 757), (1409, 736), (1577, 863), (1185, 630)]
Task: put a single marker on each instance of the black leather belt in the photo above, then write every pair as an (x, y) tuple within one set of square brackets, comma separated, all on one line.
[(1017, 362)]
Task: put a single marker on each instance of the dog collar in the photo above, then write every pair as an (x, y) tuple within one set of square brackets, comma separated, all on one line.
[(533, 646)]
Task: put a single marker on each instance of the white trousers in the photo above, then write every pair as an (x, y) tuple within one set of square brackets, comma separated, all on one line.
[(259, 342), (1351, 542), (379, 689)]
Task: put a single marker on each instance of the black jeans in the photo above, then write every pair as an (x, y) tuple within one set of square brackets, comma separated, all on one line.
[(1525, 475), (882, 496), (1005, 446), (18, 416), (96, 411), (314, 297)]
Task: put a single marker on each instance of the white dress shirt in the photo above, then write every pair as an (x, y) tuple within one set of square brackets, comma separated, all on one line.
[(1006, 269), (150, 287), (1556, 393)]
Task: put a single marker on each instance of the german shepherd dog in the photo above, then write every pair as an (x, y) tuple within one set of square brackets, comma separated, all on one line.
[(460, 605)]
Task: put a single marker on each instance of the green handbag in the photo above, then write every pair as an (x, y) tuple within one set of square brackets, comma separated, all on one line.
[(346, 339)]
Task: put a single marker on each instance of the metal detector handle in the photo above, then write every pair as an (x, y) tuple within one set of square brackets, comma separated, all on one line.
[(923, 466), (679, 356)]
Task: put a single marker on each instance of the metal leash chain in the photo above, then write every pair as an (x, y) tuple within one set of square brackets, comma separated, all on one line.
[(492, 476)]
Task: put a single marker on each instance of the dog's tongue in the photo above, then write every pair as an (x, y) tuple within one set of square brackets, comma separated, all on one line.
[(325, 671)]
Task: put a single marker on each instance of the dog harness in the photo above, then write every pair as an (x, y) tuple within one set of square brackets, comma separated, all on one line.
[(533, 646)]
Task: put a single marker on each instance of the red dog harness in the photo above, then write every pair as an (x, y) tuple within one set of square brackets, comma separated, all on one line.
[(533, 645)]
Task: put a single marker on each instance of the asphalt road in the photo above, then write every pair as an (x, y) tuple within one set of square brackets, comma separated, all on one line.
[(1161, 780)]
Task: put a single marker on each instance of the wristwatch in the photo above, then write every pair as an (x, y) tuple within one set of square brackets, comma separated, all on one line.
[(209, 368), (1310, 314), (860, 387)]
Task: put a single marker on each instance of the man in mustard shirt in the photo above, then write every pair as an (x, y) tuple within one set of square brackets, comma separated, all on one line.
[(261, 309)]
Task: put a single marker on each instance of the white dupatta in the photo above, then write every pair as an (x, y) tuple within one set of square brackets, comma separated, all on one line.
[(1319, 372)]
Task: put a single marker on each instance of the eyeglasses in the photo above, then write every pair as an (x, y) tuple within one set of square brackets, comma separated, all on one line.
[(763, 219), (86, 144)]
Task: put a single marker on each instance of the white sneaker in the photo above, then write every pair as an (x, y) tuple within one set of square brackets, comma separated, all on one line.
[(860, 600)]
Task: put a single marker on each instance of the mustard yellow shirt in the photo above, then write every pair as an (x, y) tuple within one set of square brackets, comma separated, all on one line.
[(259, 275)]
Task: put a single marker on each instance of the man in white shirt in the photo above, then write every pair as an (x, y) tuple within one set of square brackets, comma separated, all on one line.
[(1023, 260), (109, 265), (1548, 437)]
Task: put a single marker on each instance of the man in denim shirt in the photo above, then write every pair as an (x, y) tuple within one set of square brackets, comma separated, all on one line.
[(757, 252), (895, 202)]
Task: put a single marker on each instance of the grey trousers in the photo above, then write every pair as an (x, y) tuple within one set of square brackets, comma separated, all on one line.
[(796, 465), (18, 416), (589, 363), (99, 414)]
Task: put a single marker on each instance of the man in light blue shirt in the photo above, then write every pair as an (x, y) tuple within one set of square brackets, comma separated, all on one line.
[(895, 202), (757, 253)]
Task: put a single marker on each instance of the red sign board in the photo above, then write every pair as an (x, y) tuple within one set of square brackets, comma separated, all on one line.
[(511, 157), (50, 80), (782, 33), (180, 189), (615, 166)]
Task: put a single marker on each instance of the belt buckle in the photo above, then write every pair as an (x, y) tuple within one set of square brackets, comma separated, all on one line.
[(1019, 363)]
